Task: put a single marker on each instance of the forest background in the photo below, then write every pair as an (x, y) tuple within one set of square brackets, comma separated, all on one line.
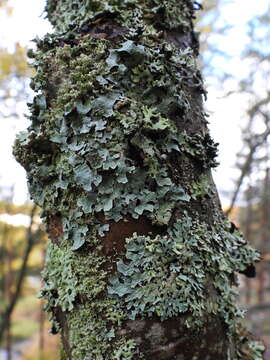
[(235, 61)]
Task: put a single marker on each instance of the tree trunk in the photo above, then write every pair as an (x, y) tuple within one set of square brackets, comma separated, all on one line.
[(9, 290), (141, 261), (42, 321), (264, 237), (41, 339), (247, 227)]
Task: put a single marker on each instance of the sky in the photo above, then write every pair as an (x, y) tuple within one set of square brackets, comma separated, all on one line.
[(226, 115), (26, 23)]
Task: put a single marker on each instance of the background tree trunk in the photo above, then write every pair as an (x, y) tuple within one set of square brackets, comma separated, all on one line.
[(264, 237), (141, 261), (247, 230)]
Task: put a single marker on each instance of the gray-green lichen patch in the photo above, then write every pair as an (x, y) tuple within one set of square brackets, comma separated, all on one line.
[(75, 284), (188, 270), (171, 14), (106, 140)]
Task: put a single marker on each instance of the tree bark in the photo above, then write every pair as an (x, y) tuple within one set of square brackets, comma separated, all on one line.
[(141, 262)]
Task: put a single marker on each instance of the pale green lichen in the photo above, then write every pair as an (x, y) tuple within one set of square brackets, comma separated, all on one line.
[(171, 274), (68, 275), (127, 350), (201, 188), (76, 284)]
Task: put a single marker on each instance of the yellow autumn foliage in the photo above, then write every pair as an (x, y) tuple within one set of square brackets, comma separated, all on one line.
[(14, 63)]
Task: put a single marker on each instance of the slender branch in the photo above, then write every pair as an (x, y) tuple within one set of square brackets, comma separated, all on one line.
[(260, 139), (5, 316), (259, 307)]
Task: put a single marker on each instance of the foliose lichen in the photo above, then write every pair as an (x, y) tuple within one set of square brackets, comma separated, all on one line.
[(118, 133), (188, 270), (73, 283), (97, 132), (171, 14)]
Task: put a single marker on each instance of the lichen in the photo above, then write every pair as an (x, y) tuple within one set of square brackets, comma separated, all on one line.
[(75, 284), (107, 133), (201, 188), (118, 134), (171, 14), (188, 270)]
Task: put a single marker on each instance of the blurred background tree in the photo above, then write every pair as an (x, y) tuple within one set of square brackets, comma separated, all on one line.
[(14, 76), (22, 237), (250, 195)]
